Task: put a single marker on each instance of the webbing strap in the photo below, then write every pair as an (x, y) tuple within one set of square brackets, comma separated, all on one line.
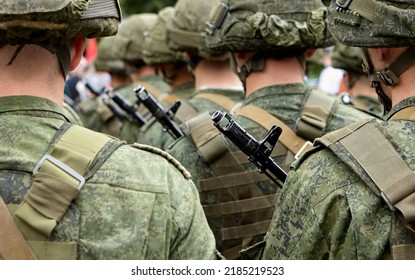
[(206, 137), (185, 112), (57, 181), (314, 116), (240, 206), (169, 98), (231, 180), (288, 137), (245, 230), (219, 99), (403, 252), (13, 246), (385, 167), (404, 114)]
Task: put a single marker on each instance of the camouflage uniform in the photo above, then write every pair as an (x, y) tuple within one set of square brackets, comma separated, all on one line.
[(137, 202), (157, 52), (282, 101), (331, 206), (112, 53)]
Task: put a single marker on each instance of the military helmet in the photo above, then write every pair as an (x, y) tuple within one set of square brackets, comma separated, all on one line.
[(131, 35), (52, 23), (108, 58), (347, 58), (252, 25), (156, 49), (372, 23), (187, 28)]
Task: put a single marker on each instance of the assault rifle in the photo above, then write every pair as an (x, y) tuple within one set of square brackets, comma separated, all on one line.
[(164, 117), (120, 106), (258, 152)]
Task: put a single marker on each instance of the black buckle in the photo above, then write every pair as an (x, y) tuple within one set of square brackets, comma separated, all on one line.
[(345, 5)]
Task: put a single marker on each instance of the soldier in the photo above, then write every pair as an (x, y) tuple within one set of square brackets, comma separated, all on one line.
[(355, 86), (75, 193), (238, 201), (121, 56), (171, 64), (351, 197)]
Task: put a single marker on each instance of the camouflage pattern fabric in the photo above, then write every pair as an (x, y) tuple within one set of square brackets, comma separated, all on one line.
[(284, 102), (153, 134), (92, 117), (59, 21), (137, 205), (384, 23), (71, 115), (327, 212), (268, 26)]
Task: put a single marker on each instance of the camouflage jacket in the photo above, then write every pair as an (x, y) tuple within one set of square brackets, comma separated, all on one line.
[(283, 101), (326, 211), (137, 205), (96, 115)]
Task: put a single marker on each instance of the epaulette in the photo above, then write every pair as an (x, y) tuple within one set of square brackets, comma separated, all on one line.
[(166, 155)]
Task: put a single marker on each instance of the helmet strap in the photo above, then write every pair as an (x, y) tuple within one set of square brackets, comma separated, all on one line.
[(64, 57), (388, 76), (255, 63)]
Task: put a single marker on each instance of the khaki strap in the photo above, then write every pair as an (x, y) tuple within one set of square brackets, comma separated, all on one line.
[(315, 115), (51, 250), (404, 114), (232, 253), (219, 99), (385, 167), (231, 180), (169, 98), (240, 206), (403, 252), (288, 137), (57, 181), (206, 137), (185, 112), (245, 230), (13, 246)]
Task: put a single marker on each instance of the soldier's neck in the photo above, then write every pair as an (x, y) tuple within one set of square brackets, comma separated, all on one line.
[(216, 74), (276, 72)]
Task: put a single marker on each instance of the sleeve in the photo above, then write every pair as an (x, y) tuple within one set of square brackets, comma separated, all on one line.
[(194, 238)]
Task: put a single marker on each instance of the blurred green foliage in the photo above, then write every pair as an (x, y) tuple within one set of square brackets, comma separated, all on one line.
[(130, 7)]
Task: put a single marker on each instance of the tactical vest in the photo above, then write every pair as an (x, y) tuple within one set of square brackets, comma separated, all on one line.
[(386, 174), (243, 203), (74, 155)]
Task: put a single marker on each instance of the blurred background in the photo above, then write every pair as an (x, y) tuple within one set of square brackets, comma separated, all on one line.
[(130, 7)]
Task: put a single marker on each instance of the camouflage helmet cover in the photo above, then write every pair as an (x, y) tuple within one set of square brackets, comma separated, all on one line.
[(156, 49), (51, 23), (372, 23), (347, 58), (252, 25), (131, 35), (108, 57), (187, 28)]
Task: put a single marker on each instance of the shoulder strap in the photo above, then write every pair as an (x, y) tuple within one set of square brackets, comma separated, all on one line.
[(288, 138), (13, 246), (315, 115), (57, 180), (405, 114), (392, 177), (185, 112)]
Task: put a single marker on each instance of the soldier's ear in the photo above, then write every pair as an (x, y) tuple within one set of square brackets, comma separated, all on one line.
[(77, 51)]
